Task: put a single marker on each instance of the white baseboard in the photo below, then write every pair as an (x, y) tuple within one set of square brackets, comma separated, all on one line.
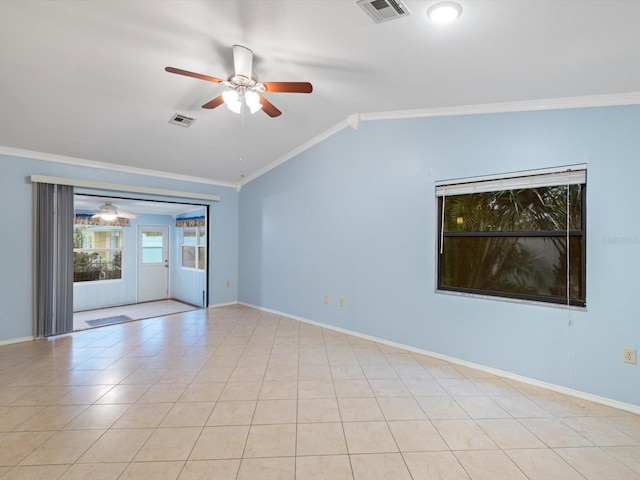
[(16, 340), (629, 407), (226, 304)]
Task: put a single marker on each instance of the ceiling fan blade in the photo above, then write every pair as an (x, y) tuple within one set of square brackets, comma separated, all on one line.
[(288, 87), (126, 215), (216, 102), (242, 61), (192, 74), (96, 215), (269, 108)]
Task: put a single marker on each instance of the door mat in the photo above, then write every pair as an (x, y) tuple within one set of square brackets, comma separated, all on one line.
[(108, 321)]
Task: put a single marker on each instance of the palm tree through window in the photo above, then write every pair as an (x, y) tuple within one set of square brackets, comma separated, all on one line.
[(526, 243)]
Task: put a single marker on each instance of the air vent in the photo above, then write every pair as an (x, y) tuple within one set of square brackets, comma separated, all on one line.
[(182, 120), (384, 10)]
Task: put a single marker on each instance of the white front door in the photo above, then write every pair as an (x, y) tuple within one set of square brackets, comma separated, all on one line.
[(153, 267)]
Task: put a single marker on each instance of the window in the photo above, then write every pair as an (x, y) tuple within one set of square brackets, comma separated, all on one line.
[(194, 242), (519, 237), (97, 253), (152, 247)]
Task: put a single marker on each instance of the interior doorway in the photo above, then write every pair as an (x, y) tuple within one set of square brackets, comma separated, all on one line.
[(143, 258)]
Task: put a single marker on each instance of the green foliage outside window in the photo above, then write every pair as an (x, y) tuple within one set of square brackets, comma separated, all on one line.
[(97, 254), (513, 243)]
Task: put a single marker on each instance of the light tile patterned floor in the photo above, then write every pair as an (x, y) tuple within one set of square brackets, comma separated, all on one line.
[(134, 311), (233, 393)]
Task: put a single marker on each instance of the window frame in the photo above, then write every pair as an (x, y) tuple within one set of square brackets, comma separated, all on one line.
[(538, 298), (197, 246), (94, 249)]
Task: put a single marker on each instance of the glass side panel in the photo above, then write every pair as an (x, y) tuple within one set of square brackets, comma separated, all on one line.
[(189, 236), (202, 258), (531, 209), (520, 265), (88, 236), (189, 257), (93, 265)]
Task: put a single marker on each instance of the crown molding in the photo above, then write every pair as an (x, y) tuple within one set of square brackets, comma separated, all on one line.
[(297, 151), (354, 120), (54, 158), (591, 101)]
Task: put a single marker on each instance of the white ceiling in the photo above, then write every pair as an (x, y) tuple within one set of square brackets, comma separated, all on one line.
[(86, 79)]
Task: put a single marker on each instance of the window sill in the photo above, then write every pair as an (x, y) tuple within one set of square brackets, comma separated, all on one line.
[(511, 300), (100, 282)]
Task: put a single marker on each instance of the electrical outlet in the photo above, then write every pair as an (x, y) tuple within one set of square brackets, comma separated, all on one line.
[(629, 355), (228, 283), (325, 299), (342, 302)]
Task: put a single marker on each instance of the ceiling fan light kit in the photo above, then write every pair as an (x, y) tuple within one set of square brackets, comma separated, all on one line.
[(244, 87), (232, 100), (252, 99), (109, 213), (235, 99)]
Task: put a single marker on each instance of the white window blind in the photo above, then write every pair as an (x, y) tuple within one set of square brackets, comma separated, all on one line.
[(571, 175)]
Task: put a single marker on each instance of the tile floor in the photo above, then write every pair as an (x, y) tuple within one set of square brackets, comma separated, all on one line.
[(234, 394), (135, 311)]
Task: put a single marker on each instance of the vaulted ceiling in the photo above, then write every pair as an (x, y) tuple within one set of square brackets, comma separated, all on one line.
[(86, 79)]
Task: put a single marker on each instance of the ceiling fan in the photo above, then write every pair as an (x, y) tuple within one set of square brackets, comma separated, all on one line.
[(109, 212), (244, 87)]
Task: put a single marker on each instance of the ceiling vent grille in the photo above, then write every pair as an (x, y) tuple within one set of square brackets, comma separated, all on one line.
[(182, 120), (384, 10)]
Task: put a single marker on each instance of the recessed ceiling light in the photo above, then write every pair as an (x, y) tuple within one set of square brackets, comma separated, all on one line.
[(444, 12)]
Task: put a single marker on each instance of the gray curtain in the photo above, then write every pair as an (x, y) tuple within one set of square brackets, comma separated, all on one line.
[(54, 259)]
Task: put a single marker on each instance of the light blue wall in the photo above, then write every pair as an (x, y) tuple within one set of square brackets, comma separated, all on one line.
[(16, 244), (355, 217)]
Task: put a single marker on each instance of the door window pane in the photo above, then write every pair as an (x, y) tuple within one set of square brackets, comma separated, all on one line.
[(152, 247)]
